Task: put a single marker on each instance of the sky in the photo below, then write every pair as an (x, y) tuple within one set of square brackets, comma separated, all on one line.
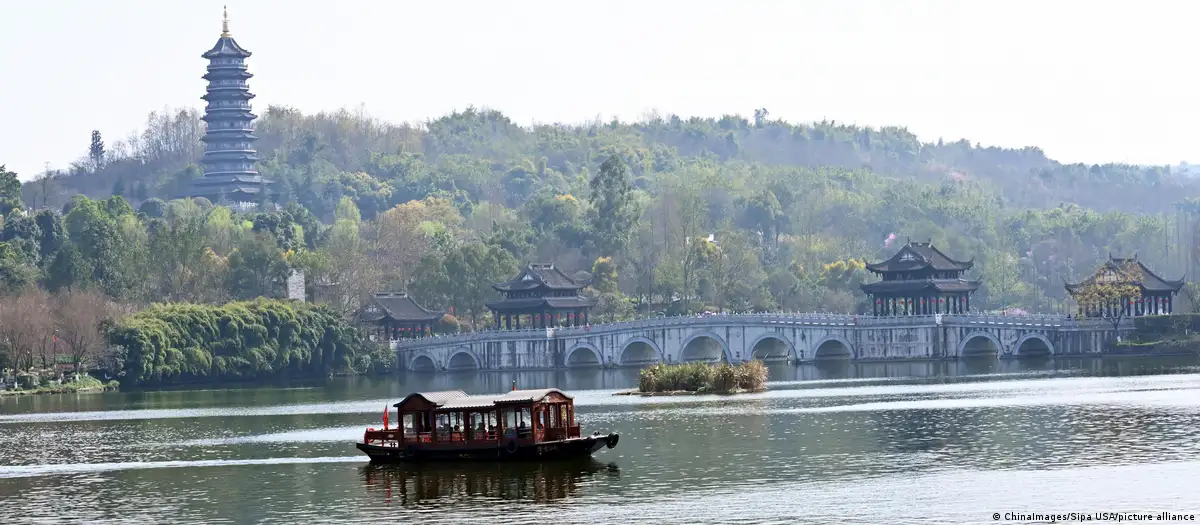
[(1096, 81)]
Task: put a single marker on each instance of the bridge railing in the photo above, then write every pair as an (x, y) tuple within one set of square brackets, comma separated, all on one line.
[(655, 323)]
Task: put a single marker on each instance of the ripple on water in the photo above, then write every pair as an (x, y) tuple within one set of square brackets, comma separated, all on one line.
[(872, 453)]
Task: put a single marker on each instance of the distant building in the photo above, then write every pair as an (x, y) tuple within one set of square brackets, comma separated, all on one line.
[(1156, 298), (395, 315), (229, 154), (921, 280), (295, 286)]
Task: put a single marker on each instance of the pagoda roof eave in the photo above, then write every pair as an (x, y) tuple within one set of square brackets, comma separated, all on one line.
[(226, 47)]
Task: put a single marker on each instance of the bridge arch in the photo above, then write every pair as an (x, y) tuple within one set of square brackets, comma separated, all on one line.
[(462, 359), (639, 351), (584, 355), (698, 354), (1033, 345), (833, 347), (422, 362), (768, 353), (977, 344)]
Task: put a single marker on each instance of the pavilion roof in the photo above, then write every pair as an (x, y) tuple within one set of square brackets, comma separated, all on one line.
[(397, 306), (543, 275), (1144, 277), (919, 256)]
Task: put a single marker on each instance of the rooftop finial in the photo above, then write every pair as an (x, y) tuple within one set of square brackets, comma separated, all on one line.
[(225, 21)]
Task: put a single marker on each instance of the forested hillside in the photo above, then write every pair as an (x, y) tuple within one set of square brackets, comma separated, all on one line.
[(443, 208)]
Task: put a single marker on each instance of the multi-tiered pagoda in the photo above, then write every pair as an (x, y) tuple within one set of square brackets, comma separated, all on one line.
[(229, 154)]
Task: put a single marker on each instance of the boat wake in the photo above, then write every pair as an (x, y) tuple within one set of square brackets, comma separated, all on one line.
[(29, 471)]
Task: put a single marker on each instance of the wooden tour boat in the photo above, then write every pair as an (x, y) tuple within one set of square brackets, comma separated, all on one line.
[(453, 426)]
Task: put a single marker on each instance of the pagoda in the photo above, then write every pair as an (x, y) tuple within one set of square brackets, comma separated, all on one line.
[(921, 280), (1157, 295), (545, 296), (229, 154)]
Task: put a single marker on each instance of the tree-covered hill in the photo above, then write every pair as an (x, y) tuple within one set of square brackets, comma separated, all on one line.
[(442, 208)]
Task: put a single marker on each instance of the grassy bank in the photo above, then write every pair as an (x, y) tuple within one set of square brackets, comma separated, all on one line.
[(84, 384), (704, 378)]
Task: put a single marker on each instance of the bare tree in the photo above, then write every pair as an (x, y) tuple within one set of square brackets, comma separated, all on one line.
[(77, 324), (25, 325)]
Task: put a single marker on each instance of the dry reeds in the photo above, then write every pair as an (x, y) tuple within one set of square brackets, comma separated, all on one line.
[(721, 378)]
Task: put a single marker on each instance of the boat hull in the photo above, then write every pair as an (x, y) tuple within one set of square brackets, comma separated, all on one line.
[(572, 448)]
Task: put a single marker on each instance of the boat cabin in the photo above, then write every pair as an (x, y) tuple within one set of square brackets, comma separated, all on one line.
[(452, 419)]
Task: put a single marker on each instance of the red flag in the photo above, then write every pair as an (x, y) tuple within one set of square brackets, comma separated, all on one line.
[(385, 421)]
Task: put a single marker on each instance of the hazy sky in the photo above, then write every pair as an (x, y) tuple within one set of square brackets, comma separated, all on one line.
[(1088, 81)]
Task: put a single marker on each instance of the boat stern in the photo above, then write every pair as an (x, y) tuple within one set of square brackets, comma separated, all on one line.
[(601, 441)]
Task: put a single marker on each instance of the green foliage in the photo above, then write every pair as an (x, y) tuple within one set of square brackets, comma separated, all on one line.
[(10, 191), (462, 278), (722, 378), (254, 339), (153, 208), (389, 206), (604, 275), (613, 212)]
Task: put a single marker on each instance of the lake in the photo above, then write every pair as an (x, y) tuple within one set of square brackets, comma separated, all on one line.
[(837, 443)]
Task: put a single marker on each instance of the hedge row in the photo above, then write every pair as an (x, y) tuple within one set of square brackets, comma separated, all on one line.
[(248, 339)]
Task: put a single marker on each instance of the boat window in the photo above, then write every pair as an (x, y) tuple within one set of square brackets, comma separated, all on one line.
[(510, 418), (552, 413), (407, 422), (563, 417)]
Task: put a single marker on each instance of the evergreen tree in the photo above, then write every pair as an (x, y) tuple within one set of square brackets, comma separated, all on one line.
[(10, 191), (96, 151), (613, 210)]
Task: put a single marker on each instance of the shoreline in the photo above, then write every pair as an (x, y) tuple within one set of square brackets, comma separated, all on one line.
[(42, 391)]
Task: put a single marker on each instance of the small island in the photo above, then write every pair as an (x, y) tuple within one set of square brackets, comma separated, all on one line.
[(700, 378)]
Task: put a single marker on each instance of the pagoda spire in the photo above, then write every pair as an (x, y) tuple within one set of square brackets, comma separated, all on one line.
[(229, 155)]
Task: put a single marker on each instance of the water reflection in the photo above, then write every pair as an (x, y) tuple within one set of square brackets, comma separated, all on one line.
[(412, 484)]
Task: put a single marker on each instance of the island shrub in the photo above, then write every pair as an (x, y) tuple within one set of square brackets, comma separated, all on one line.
[(721, 378), (239, 340)]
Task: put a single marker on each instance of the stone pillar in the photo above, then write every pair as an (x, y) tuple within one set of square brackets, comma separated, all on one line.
[(874, 306), (518, 320), (1170, 304), (585, 316)]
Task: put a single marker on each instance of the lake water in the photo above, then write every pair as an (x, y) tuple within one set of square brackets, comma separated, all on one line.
[(865, 443)]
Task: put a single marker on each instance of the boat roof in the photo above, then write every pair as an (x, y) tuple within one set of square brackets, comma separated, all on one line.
[(436, 398), (457, 400)]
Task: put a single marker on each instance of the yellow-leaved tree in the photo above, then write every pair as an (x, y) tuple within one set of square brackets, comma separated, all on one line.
[(1113, 290)]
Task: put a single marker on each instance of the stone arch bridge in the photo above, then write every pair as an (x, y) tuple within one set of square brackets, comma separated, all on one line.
[(770, 337)]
